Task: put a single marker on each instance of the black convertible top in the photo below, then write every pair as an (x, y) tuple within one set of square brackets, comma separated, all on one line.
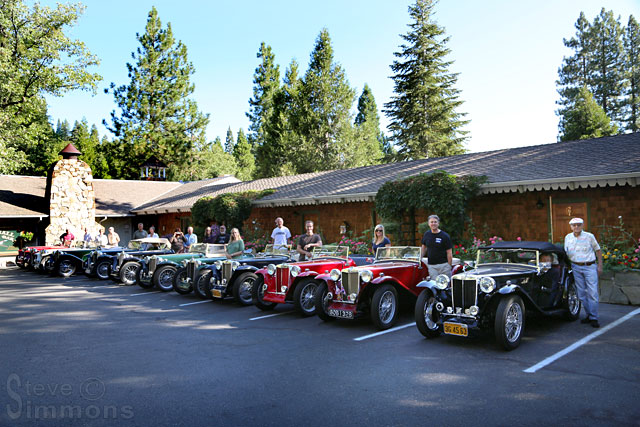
[(540, 246)]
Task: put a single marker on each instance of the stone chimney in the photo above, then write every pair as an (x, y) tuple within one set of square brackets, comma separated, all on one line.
[(72, 202)]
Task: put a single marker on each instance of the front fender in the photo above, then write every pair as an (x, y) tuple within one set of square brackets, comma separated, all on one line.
[(244, 268), (324, 277), (429, 284), (306, 274), (515, 289)]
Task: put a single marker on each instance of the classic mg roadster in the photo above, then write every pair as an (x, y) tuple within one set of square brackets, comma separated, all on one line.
[(372, 289), (509, 280), (296, 282)]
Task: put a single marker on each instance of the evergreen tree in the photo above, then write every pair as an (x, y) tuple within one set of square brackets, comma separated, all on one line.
[(158, 117), (228, 143), (208, 160), (632, 55), (266, 83), (585, 119), (608, 64), (575, 71), (324, 122), (244, 158), (274, 156), (367, 125), (424, 121)]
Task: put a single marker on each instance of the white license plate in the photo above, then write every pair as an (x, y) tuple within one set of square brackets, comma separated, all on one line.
[(343, 314)]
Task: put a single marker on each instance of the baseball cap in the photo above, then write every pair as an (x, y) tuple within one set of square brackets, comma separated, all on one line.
[(576, 221)]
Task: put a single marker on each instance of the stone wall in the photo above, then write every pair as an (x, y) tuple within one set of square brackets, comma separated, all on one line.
[(620, 287), (72, 202)]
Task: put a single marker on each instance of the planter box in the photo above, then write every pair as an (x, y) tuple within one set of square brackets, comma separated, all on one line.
[(620, 287)]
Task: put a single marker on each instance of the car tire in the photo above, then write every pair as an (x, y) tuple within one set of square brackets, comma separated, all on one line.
[(202, 286), (572, 303), (163, 278), (144, 282), (304, 296), (321, 305), (66, 268), (509, 322), (129, 273), (257, 293), (426, 314), (103, 269), (242, 287), (180, 283), (384, 307)]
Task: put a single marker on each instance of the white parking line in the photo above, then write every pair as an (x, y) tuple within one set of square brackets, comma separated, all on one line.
[(271, 315), (397, 328), (580, 343), (145, 293), (197, 302)]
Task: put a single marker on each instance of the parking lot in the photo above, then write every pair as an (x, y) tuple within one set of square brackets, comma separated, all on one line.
[(80, 351)]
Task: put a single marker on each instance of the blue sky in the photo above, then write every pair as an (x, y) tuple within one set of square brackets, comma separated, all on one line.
[(507, 54)]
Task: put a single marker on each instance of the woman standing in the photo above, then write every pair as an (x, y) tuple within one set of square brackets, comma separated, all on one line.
[(235, 248), (379, 239)]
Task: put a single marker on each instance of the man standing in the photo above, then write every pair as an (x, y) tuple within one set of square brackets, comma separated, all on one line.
[(189, 239), (140, 233), (308, 241), (101, 239), (436, 245), (583, 249), (113, 237), (280, 234)]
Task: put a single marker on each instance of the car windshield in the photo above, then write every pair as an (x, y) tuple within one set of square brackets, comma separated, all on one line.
[(275, 250), (330, 251), (141, 245), (411, 253), (200, 248), (211, 250), (510, 256)]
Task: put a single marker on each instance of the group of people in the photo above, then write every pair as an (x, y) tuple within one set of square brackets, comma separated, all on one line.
[(112, 239)]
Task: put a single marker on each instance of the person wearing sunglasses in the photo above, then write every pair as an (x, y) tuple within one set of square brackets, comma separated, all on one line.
[(379, 238)]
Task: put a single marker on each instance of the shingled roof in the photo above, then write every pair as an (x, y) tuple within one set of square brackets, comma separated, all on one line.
[(587, 163)]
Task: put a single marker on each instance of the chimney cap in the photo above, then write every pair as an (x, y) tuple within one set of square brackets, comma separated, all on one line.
[(70, 152)]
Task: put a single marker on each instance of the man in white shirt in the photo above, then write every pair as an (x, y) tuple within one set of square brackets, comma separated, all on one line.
[(583, 250), (280, 234)]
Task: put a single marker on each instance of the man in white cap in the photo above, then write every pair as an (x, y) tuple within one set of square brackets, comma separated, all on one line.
[(583, 250)]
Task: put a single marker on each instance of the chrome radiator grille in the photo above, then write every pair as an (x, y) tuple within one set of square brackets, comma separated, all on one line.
[(464, 293), (350, 281), (121, 256), (191, 269), (226, 270), (153, 262), (282, 277)]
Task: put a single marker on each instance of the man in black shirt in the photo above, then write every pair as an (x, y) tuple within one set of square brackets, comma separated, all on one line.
[(308, 241), (436, 245)]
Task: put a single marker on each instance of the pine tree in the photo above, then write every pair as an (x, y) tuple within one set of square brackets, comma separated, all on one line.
[(608, 64), (585, 119), (228, 142), (324, 122), (423, 117), (367, 125), (266, 83), (158, 117), (244, 158), (575, 71), (631, 40), (274, 157)]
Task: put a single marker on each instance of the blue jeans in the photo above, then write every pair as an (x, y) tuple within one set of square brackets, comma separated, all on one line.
[(586, 278)]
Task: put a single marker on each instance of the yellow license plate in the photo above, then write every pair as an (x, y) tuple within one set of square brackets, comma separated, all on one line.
[(216, 293), (456, 329)]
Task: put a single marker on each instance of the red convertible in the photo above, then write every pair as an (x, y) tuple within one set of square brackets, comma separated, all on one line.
[(27, 256), (296, 282), (372, 289)]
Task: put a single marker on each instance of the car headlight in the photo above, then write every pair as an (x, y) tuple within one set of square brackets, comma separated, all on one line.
[(145, 259), (335, 274), (366, 276), (283, 289), (295, 270), (352, 297), (234, 265), (218, 265), (271, 269), (184, 262), (487, 284), (198, 263), (442, 281)]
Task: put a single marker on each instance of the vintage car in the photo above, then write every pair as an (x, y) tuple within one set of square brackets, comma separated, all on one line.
[(509, 280), (373, 289), (296, 282), (27, 256), (158, 270), (235, 277), (98, 262), (65, 262), (124, 266)]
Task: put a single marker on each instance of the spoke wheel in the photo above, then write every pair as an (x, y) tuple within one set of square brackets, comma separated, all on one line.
[(384, 307), (182, 282), (163, 278), (304, 297), (322, 303), (257, 293), (509, 323), (102, 270), (242, 287), (129, 273), (572, 302), (144, 280), (426, 314), (202, 286), (66, 268)]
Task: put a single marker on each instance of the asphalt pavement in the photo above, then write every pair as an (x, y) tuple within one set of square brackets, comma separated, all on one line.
[(80, 351)]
